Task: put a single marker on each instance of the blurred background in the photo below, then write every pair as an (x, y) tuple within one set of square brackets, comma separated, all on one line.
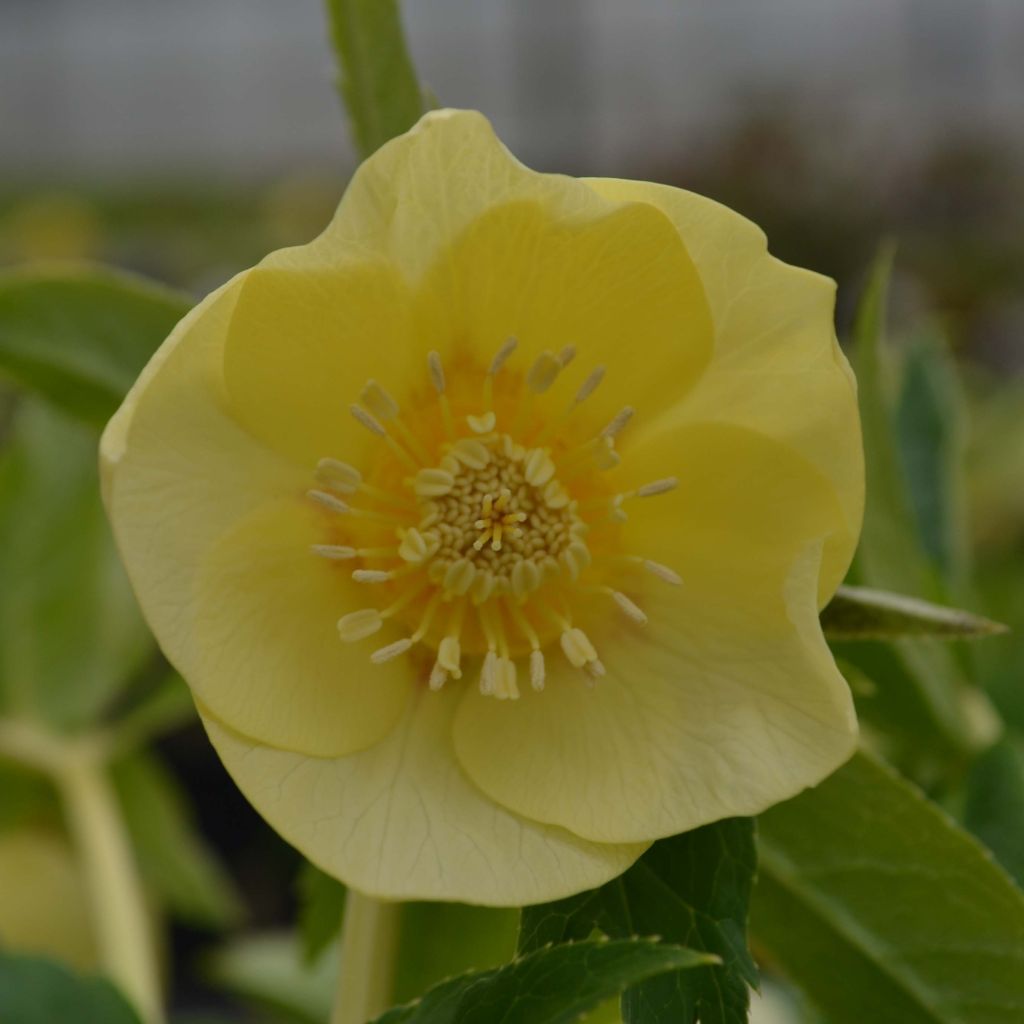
[(185, 140)]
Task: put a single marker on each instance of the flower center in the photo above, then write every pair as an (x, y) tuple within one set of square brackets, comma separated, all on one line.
[(479, 538)]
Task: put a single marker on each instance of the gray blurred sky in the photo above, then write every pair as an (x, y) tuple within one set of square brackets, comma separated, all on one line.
[(114, 89)]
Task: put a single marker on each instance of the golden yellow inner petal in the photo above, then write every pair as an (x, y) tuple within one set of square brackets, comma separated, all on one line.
[(482, 520)]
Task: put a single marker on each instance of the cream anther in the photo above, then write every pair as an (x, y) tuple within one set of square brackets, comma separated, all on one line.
[(371, 576), (539, 467), (338, 476), (333, 552), (577, 647), (329, 501), (436, 369), (567, 355), (543, 372), (359, 625), (663, 572), (399, 647), (471, 452), (378, 401), (537, 669), (629, 607), (657, 487), (618, 422), (482, 424), (590, 385), (432, 482), (501, 356), (417, 547), (449, 656), (459, 576), (363, 417)]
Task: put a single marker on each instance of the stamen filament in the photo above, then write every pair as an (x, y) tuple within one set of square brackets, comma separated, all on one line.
[(402, 600), (437, 378), (500, 357), (376, 427), (343, 508)]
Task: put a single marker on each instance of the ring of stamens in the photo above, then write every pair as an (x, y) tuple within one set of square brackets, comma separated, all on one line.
[(489, 544)]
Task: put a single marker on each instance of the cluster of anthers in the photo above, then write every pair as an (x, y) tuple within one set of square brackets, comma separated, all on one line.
[(482, 545)]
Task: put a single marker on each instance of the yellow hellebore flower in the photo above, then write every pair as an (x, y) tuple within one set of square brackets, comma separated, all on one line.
[(490, 528)]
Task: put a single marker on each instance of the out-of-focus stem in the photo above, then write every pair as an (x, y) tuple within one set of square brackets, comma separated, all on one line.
[(79, 770), (369, 937), (115, 890)]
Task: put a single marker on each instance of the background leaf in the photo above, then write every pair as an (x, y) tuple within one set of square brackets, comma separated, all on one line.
[(79, 337), (71, 636), (377, 79), (861, 613), (931, 424), (994, 809), (554, 985), (34, 991), (174, 858), (267, 970), (920, 699), (461, 938), (883, 910), (321, 906), (692, 889)]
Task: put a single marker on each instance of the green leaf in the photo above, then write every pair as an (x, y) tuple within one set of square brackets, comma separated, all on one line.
[(267, 970), (860, 613), (25, 796), (932, 430), (167, 706), (927, 687), (549, 986), (692, 889), (462, 938), (80, 336), (35, 991), (995, 803), (321, 905), (883, 910), (890, 555), (377, 79), (71, 636), (174, 859)]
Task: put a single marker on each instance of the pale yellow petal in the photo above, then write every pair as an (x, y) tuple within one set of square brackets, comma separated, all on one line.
[(727, 700), (703, 713), (268, 657), (178, 470), (401, 821), (181, 481), (777, 367)]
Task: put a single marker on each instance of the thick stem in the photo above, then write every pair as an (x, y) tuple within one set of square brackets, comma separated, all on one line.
[(115, 891), (369, 938)]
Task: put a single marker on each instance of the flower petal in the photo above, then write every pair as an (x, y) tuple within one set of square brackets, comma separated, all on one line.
[(181, 477), (268, 658), (302, 344), (615, 282), (491, 250), (726, 701), (777, 367), (400, 820)]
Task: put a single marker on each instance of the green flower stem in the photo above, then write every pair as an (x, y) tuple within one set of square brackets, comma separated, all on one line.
[(369, 939), (78, 768)]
